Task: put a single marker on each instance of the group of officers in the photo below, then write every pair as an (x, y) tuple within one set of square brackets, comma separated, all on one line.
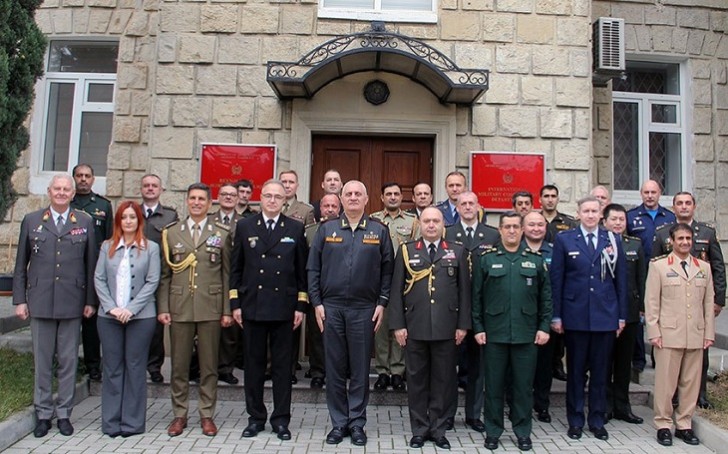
[(444, 299)]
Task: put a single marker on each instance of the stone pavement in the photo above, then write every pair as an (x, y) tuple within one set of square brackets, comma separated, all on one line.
[(388, 431)]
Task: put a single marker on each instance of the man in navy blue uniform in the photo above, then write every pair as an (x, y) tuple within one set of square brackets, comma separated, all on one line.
[(455, 183), (589, 291)]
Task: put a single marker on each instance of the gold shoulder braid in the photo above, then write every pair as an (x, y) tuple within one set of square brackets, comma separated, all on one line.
[(416, 275), (189, 262)]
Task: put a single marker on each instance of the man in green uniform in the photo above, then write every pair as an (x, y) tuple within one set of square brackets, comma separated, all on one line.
[(100, 210), (294, 208), (511, 316), (403, 227)]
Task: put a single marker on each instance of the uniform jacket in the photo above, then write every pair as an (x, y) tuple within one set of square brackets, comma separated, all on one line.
[(431, 310), (636, 276), (447, 213), (705, 247), (584, 299), (299, 211), (268, 273), (350, 268), (511, 296), (679, 308), (484, 238), (99, 208), (203, 296), (145, 271), (54, 270), (161, 217), (641, 225), (558, 224), (217, 219), (402, 228)]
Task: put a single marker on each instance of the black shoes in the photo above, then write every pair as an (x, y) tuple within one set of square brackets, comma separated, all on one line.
[(94, 374), (317, 383), (228, 378), (283, 432), (628, 417), (65, 427), (382, 382), (559, 374), (664, 437), (417, 442), (574, 433), (475, 424), (704, 403), (449, 423), (398, 383), (253, 429), (543, 415), (687, 436), (156, 377), (358, 437), (524, 443), (442, 443), (599, 433), (41, 428), (294, 379), (337, 435), (491, 443)]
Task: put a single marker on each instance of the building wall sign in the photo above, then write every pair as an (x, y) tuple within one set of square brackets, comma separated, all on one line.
[(495, 176), (228, 163)]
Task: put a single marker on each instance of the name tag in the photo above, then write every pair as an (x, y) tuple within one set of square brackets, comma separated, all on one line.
[(574, 253), (334, 239), (671, 274), (496, 266), (528, 265)]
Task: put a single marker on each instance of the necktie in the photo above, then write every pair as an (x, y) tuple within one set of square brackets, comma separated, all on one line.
[(149, 213), (433, 250), (59, 222), (469, 233), (684, 265), (196, 234), (226, 220), (590, 240), (270, 226)]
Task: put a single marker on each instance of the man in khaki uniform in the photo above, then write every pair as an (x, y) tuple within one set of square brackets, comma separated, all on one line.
[(294, 208), (403, 227), (192, 298), (679, 300)]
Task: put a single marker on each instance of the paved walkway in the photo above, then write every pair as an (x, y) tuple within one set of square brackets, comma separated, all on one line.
[(388, 431)]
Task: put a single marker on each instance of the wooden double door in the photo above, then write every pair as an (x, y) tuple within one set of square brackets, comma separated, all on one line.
[(374, 160)]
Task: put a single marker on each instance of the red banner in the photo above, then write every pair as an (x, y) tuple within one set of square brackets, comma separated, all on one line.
[(229, 163), (495, 176)]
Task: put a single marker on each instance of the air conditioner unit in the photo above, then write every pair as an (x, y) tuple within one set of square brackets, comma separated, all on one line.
[(608, 49)]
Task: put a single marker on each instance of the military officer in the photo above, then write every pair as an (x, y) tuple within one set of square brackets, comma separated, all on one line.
[(294, 208), (192, 298), (245, 192), (99, 208), (557, 221), (476, 237), (157, 217), (53, 285), (705, 247), (403, 227), (430, 315), (679, 300), (522, 202), (511, 317), (331, 185), (618, 405), (422, 198), (455, 183)]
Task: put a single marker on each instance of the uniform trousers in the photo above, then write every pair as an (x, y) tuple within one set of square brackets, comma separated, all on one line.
[(231, 349), (258, 335), (91, 343), (348, 337), (543, 378), (512, 364), (124, 389), (430, 375), (388, 355), (156, 350), (182, 336), (621, 371), (676, 368), (315, 343), (474, 389), (55, 338)]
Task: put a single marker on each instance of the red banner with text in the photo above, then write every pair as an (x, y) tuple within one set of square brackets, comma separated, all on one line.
[(229, 163), (495, 176)]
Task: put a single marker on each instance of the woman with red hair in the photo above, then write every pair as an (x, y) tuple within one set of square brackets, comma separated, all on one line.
[(127, 275)]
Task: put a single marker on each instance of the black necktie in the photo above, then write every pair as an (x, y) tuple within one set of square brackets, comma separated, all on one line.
[(226, 220), (149, 213), (469, 233), (590, 240), (270, 226), (684, 265), (433, 251)]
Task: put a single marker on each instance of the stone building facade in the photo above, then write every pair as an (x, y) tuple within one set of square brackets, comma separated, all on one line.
[(194, 71)]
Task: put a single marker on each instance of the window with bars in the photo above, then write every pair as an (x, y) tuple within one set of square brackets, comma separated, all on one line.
[(648, 128), (381, 10)]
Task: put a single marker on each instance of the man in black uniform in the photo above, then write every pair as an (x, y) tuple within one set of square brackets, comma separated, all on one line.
[(157, 217), (100, 210), (349, 278), (705, 247)]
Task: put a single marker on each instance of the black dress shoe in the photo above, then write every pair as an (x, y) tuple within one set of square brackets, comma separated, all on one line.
[(524, 443), (442, 443), (128, 434), (475, 424), (705, 404), (294, 379), (41, 428), (628, 417), (382, 382), (317, 383), (65, 427), (688, 436), (574, 433), (449, 423), (398, 383), (664, 437), (417, 441), (283, 432), (491, 443), (337, 435), (358, 437), (228, 378), (600, 433), (156, 377), (543, 415), (253, 429), (559, 374)]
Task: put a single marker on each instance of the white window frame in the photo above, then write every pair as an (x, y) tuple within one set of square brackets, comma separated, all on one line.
[(378, 14), (645, 101), (39, 178)]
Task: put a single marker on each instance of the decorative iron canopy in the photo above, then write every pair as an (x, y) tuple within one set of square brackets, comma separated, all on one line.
[(377, 50)]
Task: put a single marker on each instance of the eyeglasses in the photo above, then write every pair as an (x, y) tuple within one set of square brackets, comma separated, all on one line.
[(228, 194), (272, 196)]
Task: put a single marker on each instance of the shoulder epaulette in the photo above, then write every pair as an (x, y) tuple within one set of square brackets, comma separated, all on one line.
[(407, 214), (171, 224), (629, 238), (710, 225), (490, 250), (81, 212), (378, 221), (654, 259), (662, 226), (531, 251), (103, 198)]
